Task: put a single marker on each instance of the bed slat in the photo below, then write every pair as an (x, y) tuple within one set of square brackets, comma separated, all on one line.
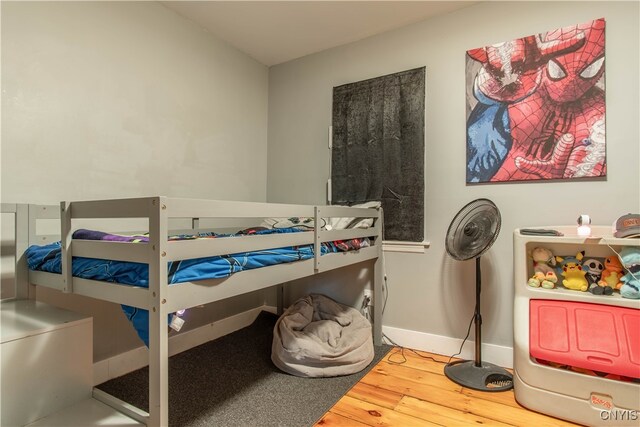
[(183, 295), (342, 259), (115, 208), (120, 251), (188, 249), (48, 280), (113, 292)]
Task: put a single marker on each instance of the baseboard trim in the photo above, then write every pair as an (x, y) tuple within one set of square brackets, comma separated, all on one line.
[(499, 355), (129, 361)]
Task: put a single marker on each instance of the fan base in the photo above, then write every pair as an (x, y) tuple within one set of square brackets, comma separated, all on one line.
[(486, 377)]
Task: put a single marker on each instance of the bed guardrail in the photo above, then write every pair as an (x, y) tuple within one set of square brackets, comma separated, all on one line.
[(158, 210), (26, 221)]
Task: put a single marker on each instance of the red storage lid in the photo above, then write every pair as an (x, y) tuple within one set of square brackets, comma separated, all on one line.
[(599, 337)]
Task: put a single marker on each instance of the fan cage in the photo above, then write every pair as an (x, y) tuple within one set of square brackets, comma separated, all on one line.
[(473, 230)]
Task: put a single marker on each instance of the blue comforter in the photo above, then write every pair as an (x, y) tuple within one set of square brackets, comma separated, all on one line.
[(48, 258)]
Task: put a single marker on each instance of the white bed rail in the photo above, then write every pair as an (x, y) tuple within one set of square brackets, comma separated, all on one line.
[(165, 208), (27, 220)]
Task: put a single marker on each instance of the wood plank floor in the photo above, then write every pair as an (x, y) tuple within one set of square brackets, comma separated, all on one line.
[(408, 388)]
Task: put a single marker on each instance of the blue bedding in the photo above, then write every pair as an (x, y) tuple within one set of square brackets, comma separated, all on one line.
[(48, 258)]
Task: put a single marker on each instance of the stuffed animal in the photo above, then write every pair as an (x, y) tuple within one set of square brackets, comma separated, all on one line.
[(593, 269), (543, 263), (612, 273), (574, 276), (630, 257)]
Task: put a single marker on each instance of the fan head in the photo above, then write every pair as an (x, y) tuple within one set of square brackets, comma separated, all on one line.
[(473, 230)]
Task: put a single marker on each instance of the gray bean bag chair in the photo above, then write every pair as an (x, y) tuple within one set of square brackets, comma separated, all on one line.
[(318, 337)]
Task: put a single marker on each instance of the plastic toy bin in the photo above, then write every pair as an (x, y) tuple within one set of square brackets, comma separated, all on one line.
[(601, 338)]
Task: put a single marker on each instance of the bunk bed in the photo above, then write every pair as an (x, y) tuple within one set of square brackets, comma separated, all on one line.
[(161, 298)]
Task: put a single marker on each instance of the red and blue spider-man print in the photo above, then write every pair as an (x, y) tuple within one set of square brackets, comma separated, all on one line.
[(537, 107)]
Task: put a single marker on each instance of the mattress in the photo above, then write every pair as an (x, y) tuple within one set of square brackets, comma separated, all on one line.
[(48, 258)]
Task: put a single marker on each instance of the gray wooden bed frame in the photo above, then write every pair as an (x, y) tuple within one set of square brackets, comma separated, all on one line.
[(160, 299)]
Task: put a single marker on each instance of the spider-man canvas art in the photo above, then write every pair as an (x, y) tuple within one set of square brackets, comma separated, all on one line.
[(536, 107)]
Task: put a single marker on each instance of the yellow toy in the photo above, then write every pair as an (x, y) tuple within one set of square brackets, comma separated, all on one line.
[(574, 276)]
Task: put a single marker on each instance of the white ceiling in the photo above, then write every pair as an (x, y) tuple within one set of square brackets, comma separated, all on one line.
[(273, 32)]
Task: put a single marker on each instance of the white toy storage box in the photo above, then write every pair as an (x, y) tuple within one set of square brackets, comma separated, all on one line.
[(597, 335)]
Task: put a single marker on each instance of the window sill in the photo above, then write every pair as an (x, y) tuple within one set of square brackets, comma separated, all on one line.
[(408, 247)]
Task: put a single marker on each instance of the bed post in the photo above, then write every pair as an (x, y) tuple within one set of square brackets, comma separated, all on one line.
[(158, 314), (66, 247), (378, 282), (317, 243), (24, 290)]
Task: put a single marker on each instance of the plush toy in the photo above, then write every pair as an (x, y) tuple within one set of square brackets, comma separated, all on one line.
[(543, 263), (593, 269), (612, 273), (574, 276), (630, 257)]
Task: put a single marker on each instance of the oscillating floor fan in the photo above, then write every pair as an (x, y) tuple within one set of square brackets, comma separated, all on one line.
[(470, 234)]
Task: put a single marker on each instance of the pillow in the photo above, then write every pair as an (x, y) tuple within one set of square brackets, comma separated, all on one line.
[(307, 223), (352, 222), (301, 223)]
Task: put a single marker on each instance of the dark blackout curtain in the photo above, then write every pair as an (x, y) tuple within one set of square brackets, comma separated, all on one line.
[(378, 149)]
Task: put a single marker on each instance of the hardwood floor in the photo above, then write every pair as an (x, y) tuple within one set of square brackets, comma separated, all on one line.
[(405, 389)]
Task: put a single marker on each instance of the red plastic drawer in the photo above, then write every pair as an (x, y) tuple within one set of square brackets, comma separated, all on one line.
[(601, 338)]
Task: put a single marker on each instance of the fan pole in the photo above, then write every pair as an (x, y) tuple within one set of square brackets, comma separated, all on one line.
[(477, 316)]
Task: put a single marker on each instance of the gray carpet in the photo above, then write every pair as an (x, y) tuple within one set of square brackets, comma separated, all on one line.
[(232, 382)]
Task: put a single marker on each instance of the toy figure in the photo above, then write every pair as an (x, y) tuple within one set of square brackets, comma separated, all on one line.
[(630, 257), (574, 276), (612, 273), (543, 263), (593, 269)]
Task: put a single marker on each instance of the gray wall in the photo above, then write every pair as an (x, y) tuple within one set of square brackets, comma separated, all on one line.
[(431, 293), (125, 99)]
